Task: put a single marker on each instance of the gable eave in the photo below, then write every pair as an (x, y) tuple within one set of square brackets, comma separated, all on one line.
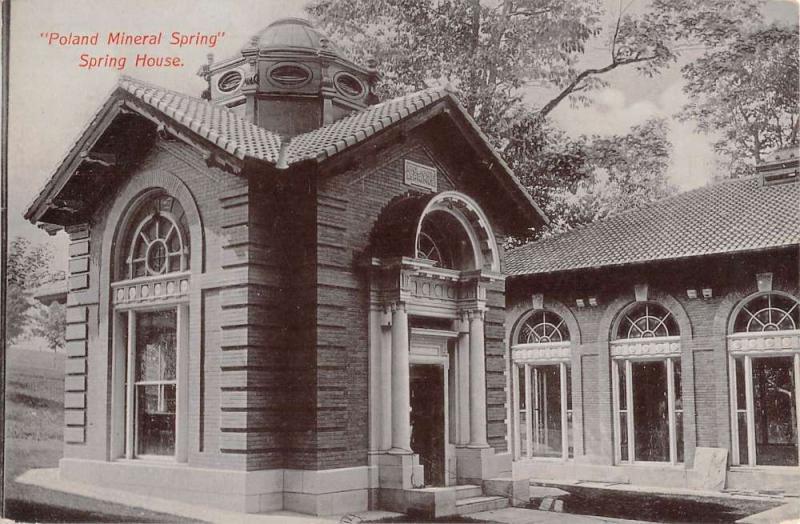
[(477, 140), (215, 149)]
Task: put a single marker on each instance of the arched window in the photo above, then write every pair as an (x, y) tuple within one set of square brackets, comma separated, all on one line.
[(542, 327), (151, 314), (764, 360), (769, 312), (647, 320), (543, 398), (646, 379), (157, 242)]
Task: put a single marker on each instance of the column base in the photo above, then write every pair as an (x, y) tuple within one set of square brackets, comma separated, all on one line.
[(399, 470), (476, 464)]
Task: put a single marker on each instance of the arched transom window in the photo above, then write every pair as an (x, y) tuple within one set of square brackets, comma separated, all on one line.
[(646, 384), (764, 366), (647, 320), (771, 312), (444, 241), (543, 327), (158, 243)]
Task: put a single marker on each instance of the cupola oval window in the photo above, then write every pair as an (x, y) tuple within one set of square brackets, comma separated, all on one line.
[(348, 85), (290, 75), (230, 81)]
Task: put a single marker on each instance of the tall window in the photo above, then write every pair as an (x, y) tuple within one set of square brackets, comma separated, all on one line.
[(646, 379), (543, 398), (151, 295), (764, 369), (155, 383)]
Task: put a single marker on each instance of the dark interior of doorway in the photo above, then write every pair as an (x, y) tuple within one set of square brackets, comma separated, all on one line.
[(427, 421), (775, 414)]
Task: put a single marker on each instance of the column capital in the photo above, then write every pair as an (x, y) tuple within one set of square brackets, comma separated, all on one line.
[(397, 305), (475, 314)]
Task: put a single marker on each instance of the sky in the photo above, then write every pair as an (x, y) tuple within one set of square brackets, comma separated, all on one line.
[(52, 97)]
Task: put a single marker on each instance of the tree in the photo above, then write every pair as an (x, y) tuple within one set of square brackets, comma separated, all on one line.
[(50, 323), (746, 93), (627, 172), (493, 53), (27, 267)]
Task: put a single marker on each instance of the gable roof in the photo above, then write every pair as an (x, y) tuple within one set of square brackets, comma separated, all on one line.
[(234, 134), (728, 217)]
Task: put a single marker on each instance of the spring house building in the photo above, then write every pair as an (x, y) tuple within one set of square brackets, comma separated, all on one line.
[(286, 295)]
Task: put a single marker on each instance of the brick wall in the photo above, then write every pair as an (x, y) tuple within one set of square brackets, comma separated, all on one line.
[(348, 205), (704, 347)]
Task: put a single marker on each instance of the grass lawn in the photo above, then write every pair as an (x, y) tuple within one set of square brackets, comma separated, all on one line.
[(34, 420)]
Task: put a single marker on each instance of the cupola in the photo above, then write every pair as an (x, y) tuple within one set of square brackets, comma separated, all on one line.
[(290, 79)]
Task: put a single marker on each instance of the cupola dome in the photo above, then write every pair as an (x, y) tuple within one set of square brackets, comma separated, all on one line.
[(289, 78), (294, 33)]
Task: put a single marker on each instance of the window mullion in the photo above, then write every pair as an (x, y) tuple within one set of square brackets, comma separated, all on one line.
[(617, 409), (528, 413), (515, 426), (673, 449), (751, 426), (564, 436), (130, 396), (734, 410), (629, 410)]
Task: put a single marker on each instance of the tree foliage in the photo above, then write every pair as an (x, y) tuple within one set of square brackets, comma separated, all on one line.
[(494, 53), (27, 268), (50, 323), (747, 94), (627, 172)]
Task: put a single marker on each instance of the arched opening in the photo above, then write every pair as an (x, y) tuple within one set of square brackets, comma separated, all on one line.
[(764, 360), (646, 382), (543, 421), (454, 231), (444, 241), (154, 239), (150, 295)]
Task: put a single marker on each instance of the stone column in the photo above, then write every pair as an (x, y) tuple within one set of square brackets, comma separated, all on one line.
[(463, 380), (401, 395), (386, 383), (477, 382)]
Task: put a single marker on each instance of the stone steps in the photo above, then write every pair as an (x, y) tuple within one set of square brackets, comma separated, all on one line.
[(467, 491), (469, 505)]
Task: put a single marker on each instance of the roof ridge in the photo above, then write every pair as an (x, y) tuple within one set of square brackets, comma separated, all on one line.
[(149, 85)]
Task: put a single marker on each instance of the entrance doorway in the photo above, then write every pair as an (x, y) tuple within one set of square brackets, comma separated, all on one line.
[(428, 420)]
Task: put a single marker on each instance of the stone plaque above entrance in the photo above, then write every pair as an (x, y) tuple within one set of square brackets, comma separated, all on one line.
[(419, 175)]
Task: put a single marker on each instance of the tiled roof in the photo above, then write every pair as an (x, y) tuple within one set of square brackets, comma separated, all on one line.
[(330, 139), (215, 123), (243, 139), (738, 215)]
